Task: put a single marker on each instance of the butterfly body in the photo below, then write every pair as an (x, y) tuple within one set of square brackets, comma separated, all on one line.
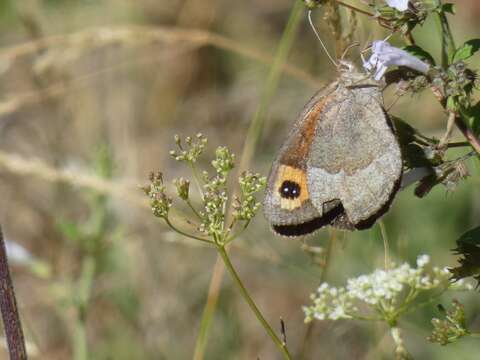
[(341, 163)]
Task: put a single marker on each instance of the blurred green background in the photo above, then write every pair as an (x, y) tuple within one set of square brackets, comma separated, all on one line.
[(91, 94)]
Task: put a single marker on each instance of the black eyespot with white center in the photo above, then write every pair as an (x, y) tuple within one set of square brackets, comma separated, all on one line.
[(289, 190)]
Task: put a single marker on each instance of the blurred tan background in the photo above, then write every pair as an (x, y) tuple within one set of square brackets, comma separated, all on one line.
[(91, 94)]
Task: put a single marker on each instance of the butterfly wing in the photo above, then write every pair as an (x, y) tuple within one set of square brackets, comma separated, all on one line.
[(287, 204), (354, 157)]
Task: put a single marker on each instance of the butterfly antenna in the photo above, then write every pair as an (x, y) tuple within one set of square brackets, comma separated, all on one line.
[(319, 39), (349, 47)]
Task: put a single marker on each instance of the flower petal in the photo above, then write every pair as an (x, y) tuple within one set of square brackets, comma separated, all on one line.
[(400, 5), (385, 55)]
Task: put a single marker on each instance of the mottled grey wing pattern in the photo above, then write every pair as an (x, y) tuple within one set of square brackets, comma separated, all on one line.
[(355, 157), (341, 164)]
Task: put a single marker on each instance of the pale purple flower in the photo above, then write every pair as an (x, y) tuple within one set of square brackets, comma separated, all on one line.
[(385, 55), (400, 5)]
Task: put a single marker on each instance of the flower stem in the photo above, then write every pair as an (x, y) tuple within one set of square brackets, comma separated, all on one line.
[(84, 285), (448, 44), (256, 125), (252, 138), (448, 49), (174, 228), (304, 349), (401, 352), (468, 133), (190, 205), (383, 233), (238, 282)]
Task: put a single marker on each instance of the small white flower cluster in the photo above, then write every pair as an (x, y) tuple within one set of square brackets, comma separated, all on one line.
[(382, 288)]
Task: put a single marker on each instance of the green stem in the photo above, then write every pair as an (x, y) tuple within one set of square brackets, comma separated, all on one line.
[(174, 228), (189, 203), (401, 351), (383, 232), (448, 44), (238, 282), (207, 315), (234, 236), (196, 177), (431, 300), (252, 139), (448, 49), (323, 277), (256, 125), (80, 346), (365, 318)]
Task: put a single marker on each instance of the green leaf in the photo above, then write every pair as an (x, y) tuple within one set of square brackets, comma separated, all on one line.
[(451, 103), (467, 50), (472, 116), (449, 8), (422, 54), (70, 230), (468, 247), (471, 237)]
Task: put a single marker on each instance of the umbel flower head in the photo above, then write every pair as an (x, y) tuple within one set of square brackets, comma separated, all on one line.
[(385, 55), (382, 292), (209, 216)]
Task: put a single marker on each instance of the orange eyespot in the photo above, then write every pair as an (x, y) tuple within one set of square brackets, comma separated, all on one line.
[(291, 185)]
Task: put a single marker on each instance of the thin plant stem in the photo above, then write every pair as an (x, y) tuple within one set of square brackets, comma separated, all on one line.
[(237, 234), (448, 49), (458, 144), (360, 11), (468, 133), (80, 345), (448, 43), (190, 205), (252, 139), (207, 315), (401, 352), (304, 349), (196, 178), (258, 121), (383, 232), (8, 306), (174, 228), (238, 282)]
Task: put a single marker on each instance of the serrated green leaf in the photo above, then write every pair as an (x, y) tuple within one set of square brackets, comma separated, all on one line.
[(449, 8), (467, 50), (420, 53)]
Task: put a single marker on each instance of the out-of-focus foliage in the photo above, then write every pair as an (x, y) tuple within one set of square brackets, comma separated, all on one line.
[(124, 76)]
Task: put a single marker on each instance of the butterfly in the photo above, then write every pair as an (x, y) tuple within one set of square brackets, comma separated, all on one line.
[(341, 164)]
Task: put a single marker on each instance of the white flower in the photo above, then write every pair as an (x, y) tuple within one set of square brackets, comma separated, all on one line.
[(383, 291), (423, 260), (400, 5), (385, 55)]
